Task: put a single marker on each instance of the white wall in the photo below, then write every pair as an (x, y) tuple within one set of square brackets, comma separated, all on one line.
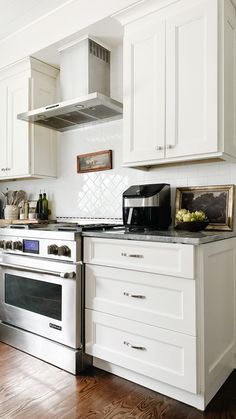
[(99, 194)]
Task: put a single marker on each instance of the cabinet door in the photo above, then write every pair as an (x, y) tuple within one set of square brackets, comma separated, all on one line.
[(154, 352), (158, 300), (144, 90), (162, 258), (42, 88), (191, 80), (3, 129), (17, 137), (229, 78)]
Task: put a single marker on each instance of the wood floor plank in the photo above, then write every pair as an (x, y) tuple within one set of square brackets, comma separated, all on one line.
[(33, 389)]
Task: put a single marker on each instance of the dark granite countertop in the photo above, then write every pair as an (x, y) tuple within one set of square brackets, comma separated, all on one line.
[(167, 236)]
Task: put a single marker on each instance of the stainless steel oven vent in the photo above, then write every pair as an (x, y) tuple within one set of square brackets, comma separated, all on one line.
[(85, 90)]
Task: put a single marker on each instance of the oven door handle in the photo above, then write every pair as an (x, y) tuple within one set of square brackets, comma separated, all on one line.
[(69, 275)]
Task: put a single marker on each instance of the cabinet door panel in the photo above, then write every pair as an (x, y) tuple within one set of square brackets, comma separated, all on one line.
[(229, 78), (162, 258), (158, 300), (161, 354), (18, 145), (3, 129), (44, 140), (144, 90), (191, 81)]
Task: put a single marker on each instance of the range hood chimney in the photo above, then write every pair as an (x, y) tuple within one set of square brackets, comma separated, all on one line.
[(85, 90)]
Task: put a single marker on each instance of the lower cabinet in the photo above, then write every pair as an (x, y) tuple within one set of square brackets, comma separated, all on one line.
[(154, 299), (174, 334), (157, 353)]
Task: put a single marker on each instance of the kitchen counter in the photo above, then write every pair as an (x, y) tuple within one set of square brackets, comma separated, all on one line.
[(167, 236)]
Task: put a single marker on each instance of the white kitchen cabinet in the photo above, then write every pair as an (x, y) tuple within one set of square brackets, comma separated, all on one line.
[(155, 352), (143, 297), (163, 258), (26, 150), (144, 90), (172, 333), (179, 82)]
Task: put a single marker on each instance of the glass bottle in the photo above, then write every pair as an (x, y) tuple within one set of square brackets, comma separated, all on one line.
[(39, 206), (44, 207)]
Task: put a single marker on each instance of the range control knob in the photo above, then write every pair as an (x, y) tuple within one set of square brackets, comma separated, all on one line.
[(53, 249), (8, 245), (2, 244), (17, 245), (64, 251)]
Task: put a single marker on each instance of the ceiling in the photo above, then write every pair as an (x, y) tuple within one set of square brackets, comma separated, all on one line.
[(16, 14)]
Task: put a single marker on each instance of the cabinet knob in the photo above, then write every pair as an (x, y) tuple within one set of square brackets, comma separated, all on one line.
[(159, 147), (169, 146)]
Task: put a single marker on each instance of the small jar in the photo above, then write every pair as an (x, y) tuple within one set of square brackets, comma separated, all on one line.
[(32, 215), (11, 212)]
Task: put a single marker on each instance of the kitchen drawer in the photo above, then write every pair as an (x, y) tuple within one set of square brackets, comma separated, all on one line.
[(163, 355), (158, 300), (164, 258)]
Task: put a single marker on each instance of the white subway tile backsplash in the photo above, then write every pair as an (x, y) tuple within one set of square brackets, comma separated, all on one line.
[(99, 194)]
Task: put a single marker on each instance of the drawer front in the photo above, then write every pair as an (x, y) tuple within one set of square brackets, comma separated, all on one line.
[(158, 300), (157, 353), (164, 258)]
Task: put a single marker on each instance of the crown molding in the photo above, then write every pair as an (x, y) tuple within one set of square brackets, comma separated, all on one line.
[(144, 7)]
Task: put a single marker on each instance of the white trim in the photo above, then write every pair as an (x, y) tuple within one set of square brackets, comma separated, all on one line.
[(36, 21), (191, 399), (141, 9), (82, 38)]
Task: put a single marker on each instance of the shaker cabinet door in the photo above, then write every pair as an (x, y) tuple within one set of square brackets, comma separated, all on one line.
[(17, 137), (191, 81), (3, 129), (144, 90)]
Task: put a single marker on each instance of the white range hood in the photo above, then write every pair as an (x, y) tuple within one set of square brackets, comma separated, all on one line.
[(85, 90)]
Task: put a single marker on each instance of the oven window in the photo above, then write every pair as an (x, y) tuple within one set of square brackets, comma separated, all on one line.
[(36, 296)]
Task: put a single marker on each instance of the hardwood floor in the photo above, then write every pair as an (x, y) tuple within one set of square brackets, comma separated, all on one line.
[(32, 389)]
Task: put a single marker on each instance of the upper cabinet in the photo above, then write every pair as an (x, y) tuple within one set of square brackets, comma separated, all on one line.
[(179, 82), (25, 150)]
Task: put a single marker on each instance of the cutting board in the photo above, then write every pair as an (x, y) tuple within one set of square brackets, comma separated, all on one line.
[(4, 223)]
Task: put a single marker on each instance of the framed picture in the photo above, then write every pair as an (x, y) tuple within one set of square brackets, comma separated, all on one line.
[(92, 162), (216, 201)]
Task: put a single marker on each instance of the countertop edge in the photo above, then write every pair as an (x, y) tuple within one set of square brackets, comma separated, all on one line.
[(207, 237)]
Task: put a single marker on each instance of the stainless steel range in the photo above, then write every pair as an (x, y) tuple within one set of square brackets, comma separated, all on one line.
[(42, 294)]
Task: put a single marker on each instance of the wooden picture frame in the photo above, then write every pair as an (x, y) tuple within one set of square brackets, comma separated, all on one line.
[(216, 201), (93, 162)]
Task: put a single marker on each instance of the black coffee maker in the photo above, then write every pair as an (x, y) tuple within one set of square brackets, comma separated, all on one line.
[(147, 207)]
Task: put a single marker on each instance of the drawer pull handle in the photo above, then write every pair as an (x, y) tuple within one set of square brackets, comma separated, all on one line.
[(131, 255), (139, 348), (128, 294)]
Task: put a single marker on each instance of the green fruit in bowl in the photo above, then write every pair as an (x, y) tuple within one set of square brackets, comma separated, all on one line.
[(184, 215)]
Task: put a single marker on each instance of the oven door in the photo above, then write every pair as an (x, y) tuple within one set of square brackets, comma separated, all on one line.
[(43, 297)]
